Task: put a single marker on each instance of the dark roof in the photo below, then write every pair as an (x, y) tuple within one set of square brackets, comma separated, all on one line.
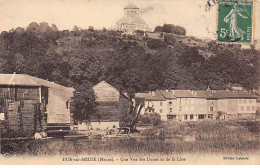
[(183, 93), (215, 94), (167, 94), (232, 94), (27, 80), (156, 96), (203, 94)]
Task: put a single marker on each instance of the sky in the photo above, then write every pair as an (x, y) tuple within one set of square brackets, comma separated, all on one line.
[(65, 14)]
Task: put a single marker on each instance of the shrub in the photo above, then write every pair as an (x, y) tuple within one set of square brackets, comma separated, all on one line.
[(158, 29), (169, 39), (150, 118), (144, 119), (155, 44), (139, 32), (4, 128), (170, 28)]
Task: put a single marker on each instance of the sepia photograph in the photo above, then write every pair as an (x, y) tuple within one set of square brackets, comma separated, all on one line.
[(129, 82)]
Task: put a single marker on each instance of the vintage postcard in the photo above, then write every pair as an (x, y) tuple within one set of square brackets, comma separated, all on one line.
[(129, 82)]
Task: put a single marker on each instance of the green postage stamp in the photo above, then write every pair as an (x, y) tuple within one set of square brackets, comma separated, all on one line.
[(235, 21)]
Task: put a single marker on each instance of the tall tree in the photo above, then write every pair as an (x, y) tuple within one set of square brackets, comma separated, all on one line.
[(83, 103)]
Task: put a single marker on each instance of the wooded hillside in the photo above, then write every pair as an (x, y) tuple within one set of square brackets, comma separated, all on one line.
[(130, 63)]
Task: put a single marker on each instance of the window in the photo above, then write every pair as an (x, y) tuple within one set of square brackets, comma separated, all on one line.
[(161, 110), (244, 101), (185, 117), (212, 102), (211, 109), (242, 108), (191, 117), (170, 110), (171, 117), (201, 116), (210, 116), (253, 108), (248, 108), (180, 108), (67, 104), (170, 103), (161, 103), (240, 101), (250, 100)]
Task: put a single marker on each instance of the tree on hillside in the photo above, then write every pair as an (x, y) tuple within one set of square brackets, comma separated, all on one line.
[(170, 28), (158, 29), (83, 103)]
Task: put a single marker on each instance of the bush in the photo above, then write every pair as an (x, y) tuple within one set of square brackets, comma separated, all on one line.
[(155, 44), (152, 118), (158, 29), (4, 130), (144, 119), (170, 28), (139, 32), (155, 119), (169, 39)]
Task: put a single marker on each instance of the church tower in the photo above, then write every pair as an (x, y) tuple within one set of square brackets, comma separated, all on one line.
[(131, 20)]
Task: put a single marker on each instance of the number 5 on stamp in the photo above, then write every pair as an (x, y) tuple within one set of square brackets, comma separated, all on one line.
[(235, 21)]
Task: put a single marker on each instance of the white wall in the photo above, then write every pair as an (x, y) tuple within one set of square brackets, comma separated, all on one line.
[(57, 112)]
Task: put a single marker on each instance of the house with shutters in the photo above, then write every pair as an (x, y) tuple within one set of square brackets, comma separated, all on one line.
[(191, 105), (154, 102), (235, 104), (31, 104)]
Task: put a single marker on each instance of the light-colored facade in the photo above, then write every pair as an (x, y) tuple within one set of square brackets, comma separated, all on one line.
[(154, 103), (187, 105)]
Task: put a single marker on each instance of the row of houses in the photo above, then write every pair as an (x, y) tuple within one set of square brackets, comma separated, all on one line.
[(189, 105)]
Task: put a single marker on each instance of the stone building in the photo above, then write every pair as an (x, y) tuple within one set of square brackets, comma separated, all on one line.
[(131, 20)]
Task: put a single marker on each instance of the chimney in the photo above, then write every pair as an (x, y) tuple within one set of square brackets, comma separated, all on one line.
[(194, 92), (152, 93), (173, 91)]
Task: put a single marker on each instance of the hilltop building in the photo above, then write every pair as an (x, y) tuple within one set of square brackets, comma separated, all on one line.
[(131, 20)]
